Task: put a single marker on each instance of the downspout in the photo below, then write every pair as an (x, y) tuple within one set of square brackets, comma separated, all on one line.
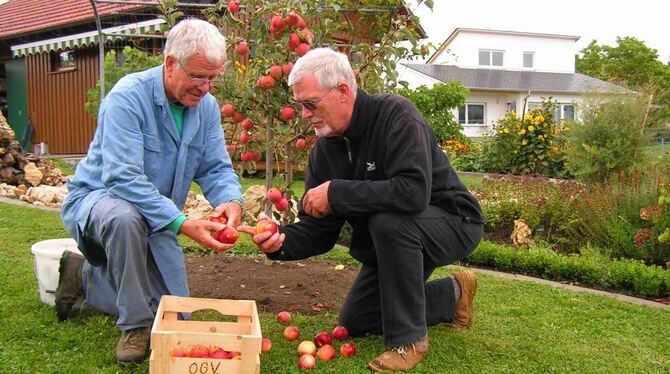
[(101, 50), (525, 101)]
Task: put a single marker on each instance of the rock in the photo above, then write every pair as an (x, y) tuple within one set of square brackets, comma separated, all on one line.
[(522, 234), (33, 175)]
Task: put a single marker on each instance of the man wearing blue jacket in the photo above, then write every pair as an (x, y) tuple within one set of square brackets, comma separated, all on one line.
[(378, 167), (158, 131)]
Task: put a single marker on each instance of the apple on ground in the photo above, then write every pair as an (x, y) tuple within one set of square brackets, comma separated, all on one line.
[(306, 362), (307, 347), (291, 333), (326, 353), (340, 333), (266, 345), (283, 317), (322, 338), (348, 349)]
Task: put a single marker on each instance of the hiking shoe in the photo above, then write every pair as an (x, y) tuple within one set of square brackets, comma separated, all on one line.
[(133, 346), (464, 312), (401, 358), (69, 284)]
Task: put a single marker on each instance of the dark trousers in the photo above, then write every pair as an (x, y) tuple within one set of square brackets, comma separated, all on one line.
[(393, 298)]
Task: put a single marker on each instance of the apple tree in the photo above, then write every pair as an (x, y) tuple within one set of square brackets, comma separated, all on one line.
[(265, 38)]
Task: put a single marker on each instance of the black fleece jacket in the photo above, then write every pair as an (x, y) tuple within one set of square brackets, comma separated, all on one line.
[(387, 160)]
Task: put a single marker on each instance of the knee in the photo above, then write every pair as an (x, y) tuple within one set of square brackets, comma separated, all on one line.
[(384, 224), (123, 218)]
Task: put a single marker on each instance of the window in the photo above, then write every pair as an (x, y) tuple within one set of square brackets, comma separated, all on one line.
[(528, 59), (489, 57), (562, 112), (62, 61), (471, 114)]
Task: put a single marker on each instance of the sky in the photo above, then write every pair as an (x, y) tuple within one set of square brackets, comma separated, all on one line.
[(647, 20)]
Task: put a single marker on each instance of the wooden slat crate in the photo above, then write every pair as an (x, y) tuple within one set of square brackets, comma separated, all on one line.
[(169, 332)]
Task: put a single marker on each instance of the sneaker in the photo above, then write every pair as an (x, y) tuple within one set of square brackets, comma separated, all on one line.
[(69, 284), (401, 358), (464, 312), (133, 346)]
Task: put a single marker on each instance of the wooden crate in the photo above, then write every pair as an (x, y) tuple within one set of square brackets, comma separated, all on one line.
[(169, 332)]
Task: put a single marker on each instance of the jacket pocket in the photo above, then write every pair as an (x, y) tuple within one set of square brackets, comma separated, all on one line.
[(152, 155)]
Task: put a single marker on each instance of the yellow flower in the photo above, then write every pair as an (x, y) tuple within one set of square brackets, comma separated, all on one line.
[(539, 118), (522, 132), (524, 142), (506, 130), (531, 128), (527, 117)]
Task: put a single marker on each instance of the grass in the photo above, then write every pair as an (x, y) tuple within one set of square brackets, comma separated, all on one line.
[(520, 327)]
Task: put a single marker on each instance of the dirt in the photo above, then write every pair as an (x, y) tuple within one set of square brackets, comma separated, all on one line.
[(306, 286)]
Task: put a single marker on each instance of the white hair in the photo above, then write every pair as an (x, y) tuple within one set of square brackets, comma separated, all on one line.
[(327, 66), (191, 36)]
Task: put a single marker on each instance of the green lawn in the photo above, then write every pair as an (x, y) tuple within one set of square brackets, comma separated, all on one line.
[(520, 327)]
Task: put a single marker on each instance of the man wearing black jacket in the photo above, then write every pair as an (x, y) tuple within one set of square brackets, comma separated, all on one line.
[(378, 167)]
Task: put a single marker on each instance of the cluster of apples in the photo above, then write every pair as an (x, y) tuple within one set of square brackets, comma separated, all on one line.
[(276, 197), (201, 351), (228, 235), (321, 346)]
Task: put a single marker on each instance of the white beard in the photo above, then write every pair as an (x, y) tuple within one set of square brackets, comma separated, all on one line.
[(324, 131)]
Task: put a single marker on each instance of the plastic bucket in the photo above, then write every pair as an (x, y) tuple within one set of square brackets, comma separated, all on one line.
[(47, 259)]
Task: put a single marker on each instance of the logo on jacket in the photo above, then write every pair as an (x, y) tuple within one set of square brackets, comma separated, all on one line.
[(371, 166)]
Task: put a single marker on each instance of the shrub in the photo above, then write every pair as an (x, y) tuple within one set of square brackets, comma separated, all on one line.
[(531, 144), (608, 139)]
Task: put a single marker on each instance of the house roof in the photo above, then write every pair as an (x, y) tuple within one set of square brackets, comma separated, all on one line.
[(21, 17), (516, 81), (459, 30)]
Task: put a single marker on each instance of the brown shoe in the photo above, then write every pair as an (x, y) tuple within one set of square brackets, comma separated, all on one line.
[(133, 346), (464, 313), (400, 358)]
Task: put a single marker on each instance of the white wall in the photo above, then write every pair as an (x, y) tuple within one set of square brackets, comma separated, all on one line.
[(551, 54)]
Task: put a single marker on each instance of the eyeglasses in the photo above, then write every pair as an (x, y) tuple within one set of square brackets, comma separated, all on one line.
[(311, 104), (211, 82)]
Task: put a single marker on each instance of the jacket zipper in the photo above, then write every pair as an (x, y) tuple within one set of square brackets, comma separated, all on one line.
[(346, 141)]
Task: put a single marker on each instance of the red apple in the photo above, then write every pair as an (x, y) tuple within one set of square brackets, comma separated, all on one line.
[(199, 351), (242, 48), (283, 317), (322, 338), (286, 69), (238, 117), (246, 156), (307, 347), (227, 236), (266, 225), (306, 362), (275, 71), (265, 82), (227, 110), (300, 23), (348, 349), (281, 204), (291, 333), (274, 194), (291, 19), (326, 353), (266, 345), (287, 113), (293, 41), (245, 137), (179, 352), (277, 24), (233, 6), (256, 155), (247, 124), (302, 49), (234, 355), (300, 143), (219, 353), (340, 333)]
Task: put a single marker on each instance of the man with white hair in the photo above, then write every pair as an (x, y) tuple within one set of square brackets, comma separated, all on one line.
[(378, 167), (158, 131)]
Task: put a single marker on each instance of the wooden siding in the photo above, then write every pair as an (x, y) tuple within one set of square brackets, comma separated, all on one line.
[(56, 101)]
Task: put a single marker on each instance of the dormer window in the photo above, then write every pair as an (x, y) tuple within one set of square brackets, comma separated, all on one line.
[(489, 57), (528, 60)]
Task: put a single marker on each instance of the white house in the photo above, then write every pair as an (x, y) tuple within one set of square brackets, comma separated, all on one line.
[(506, 70)]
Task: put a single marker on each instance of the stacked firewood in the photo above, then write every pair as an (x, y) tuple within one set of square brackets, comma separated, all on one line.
[(26, 176)]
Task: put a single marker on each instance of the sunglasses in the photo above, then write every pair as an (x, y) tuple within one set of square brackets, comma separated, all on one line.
[(312, 103)]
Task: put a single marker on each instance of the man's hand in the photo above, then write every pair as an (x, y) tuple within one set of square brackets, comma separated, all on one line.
[(231, 210), (265, 241), (315, 203), (202, 232)]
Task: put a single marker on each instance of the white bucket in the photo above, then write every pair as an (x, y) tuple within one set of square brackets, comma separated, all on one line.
[(47, 259)]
